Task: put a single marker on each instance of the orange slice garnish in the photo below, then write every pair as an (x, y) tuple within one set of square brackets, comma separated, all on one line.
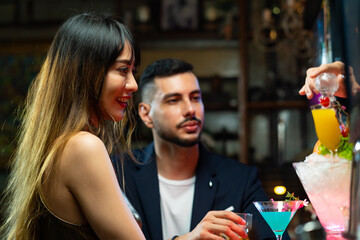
[(316, 147)]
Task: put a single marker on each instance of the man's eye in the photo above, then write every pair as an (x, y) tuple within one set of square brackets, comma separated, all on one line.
[(197, 98), (174, 100)]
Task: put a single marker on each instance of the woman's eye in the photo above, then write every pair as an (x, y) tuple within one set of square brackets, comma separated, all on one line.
[(123, 70)]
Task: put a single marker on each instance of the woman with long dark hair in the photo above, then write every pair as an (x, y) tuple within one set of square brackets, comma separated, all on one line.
[(78, 109)]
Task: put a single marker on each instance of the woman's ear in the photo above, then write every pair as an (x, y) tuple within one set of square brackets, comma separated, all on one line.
[(144, 113)]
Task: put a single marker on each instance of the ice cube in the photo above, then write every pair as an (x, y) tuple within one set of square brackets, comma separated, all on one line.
[(326, 84)]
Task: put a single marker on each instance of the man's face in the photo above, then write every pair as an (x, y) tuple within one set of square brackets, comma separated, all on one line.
[(177, 110)]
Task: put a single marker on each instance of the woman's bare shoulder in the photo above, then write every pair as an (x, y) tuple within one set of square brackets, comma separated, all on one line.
[(84, 146), (85, 139), (85, 156)]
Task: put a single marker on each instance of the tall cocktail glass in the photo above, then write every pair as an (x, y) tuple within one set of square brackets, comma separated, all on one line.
[(326, 180), (325, 174), (326, 125), (278, 214)]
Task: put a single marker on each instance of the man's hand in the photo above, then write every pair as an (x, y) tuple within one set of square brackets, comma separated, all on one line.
[(215, 223)]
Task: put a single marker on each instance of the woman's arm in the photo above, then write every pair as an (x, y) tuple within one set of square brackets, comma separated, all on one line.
[(91, 179)]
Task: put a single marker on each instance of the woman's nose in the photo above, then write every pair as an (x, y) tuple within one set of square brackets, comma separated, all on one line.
[(131, 85)]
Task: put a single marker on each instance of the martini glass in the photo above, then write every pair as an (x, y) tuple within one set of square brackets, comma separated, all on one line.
[(277, 214)]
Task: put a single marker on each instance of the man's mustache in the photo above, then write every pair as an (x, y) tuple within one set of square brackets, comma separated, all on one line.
[(187, 120)]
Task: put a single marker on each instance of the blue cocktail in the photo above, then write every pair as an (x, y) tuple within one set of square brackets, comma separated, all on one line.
[(278, 214)]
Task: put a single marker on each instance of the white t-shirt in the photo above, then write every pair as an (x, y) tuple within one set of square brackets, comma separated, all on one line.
[(176, 201)]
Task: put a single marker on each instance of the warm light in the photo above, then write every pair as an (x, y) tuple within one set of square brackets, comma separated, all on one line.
[(273, 34), (280, 190)]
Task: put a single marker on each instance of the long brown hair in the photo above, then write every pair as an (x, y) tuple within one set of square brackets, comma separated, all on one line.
[(59, 104)]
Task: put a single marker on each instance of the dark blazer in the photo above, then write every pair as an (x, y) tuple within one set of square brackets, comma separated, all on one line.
[(220, 183)]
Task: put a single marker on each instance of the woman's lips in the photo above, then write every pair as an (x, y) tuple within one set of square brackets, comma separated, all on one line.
[(122, 101), (123, 104)]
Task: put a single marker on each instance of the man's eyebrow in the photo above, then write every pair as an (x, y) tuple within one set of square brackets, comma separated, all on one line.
[(196, 91), (169, 95)]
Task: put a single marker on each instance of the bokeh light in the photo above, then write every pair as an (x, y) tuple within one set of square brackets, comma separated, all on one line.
[(279, 190)]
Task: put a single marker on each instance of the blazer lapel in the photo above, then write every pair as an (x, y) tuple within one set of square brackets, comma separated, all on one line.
[(147, 184), (205, 188)]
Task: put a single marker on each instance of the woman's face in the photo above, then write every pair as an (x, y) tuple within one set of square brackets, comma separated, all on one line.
[(118, 86)]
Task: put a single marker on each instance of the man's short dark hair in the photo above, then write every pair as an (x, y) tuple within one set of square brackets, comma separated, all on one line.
[(161, 68)]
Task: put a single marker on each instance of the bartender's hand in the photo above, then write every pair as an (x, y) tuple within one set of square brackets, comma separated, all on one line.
[(216, 222), (338, 68)]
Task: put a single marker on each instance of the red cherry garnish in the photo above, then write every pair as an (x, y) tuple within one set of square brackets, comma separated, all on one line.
[(345, 132), (325, 101)]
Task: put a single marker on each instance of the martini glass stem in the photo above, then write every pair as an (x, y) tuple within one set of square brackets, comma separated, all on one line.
[(278, 237)]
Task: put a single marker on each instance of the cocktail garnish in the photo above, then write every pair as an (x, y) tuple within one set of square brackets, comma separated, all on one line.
[(344, 150), (344, 130), (291, 197), (325, 101)]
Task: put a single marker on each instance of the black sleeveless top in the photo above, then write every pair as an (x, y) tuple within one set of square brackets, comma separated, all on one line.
[(51, 227)]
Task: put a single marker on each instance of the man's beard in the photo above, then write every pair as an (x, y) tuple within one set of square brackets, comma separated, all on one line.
[(175, 139)]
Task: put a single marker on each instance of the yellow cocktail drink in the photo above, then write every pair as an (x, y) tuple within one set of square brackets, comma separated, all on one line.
[(327, 127)]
